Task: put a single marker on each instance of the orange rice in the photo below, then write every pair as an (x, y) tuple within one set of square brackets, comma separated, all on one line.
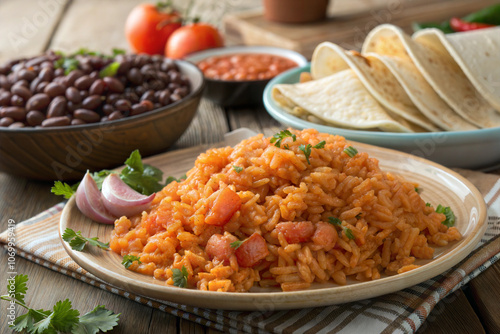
[(288, 202)]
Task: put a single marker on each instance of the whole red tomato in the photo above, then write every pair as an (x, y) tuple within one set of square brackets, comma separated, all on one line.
[(148, 27), (191, 38)]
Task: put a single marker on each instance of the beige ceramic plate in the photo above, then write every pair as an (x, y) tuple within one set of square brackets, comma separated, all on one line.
[(439, 184)]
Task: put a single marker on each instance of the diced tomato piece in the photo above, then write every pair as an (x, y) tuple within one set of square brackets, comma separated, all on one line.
[(251, 251), (295, 232), (325, 235), (224, 207), (219, 247)]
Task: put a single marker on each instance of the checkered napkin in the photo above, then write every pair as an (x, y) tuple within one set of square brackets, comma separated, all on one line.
[(404, 311)]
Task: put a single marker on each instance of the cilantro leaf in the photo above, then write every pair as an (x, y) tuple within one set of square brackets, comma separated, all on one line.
[(142, 178), (78, 242), (100, 176), (236, 244), (63, 189), (335, 221), (129, 259), (238, 169), (171, 179), (427, 204), (180, 277), (110, 70), (117, 51), (348, 233), (351, 151), (321, 144), (307, 151), (63, 317), (99, 319), (20, 287), (450, 216), (278, 137)]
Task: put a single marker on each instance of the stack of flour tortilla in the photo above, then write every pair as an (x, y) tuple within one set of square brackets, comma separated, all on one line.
[(400, 83)]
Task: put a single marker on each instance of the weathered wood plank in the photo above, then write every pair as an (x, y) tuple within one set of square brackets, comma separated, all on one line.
[(26, 28)]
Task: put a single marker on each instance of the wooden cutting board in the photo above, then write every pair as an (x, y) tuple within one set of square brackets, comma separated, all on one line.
[(347, 25)]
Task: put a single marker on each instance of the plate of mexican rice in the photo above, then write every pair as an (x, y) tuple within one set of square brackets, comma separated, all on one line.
[(299, 219)]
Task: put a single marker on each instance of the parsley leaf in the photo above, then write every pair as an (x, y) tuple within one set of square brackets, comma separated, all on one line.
[(67, 63), (335, 221), (278, 137), (63, 189), (238, 169), (129, 259), (236, 244), (307, 149), (348, 233), (62, 319), (180, 277), (450, 216), (99, 319), (321, 144), (427, 204), (351, 151), (78, 242)]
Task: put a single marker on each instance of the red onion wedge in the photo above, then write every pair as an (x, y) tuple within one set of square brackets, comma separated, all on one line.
[(121, 200), (88, 200)]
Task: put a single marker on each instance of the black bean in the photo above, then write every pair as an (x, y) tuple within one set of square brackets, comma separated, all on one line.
[(17, 125), (107, 109), (123, 105), (6, 121), (35, 117), (114, 85), (41, 86), (76, 121), (4, 69), (21, 91), (164, 97), (57, 107), (38, 102), (4, 82), (72, 76), (84, 82), (84, 94), (86, 115), (5, 98), (16, 100), (148, 104), (148, 95), (175, 97), (59, 72), (71, 107), (138, 109), (115, 115), (22, 82), (112, 98), (134, 76), (34, 84), (92, 102), (97, 88), (73, 95), (18, 114), (56, 121), (26, 74), (123, 68), (54, 89), (36, 61), (46, 74)]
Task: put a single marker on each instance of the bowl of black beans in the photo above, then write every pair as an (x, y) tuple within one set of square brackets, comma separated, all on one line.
[(61, 115)]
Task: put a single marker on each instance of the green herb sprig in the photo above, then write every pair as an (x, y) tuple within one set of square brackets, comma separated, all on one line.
[(308, 148), (77, 241), (129, 259), (236, 244), (351, 151), (180, 277), (450, 216), (347, 231), (238, 169), (278, 137), (61, 319)]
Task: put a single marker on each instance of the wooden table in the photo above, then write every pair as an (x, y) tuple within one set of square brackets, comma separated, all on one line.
[(28, 28)]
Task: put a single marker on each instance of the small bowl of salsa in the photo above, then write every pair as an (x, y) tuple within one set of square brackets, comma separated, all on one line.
[(237, 75)]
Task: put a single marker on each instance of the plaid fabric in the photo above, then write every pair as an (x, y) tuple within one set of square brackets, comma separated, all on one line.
[(400, 312)]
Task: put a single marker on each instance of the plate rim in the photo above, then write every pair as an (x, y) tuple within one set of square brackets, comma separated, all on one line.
[(246, 301)]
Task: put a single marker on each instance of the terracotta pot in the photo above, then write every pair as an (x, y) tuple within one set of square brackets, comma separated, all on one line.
[(295, 11)]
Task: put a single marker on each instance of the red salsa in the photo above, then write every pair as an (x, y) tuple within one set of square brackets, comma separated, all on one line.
[(249, 66)]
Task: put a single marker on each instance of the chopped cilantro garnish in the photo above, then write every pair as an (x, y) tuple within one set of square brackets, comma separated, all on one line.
[(450, 216), (348, 233), (180, 277), (307, 149), (278, 137), (427, 204), (64, 189), (337, 222), (110, 70), (129, 259), (238, 169), (236, 244), (351, 151), (78, 242)]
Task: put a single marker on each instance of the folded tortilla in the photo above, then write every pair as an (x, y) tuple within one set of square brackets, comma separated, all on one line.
[(476, 52), (339, 99), (329, 58), (439, 69)]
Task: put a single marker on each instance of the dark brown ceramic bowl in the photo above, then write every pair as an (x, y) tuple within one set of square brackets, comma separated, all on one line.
[(238, 93), (66, 153)]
